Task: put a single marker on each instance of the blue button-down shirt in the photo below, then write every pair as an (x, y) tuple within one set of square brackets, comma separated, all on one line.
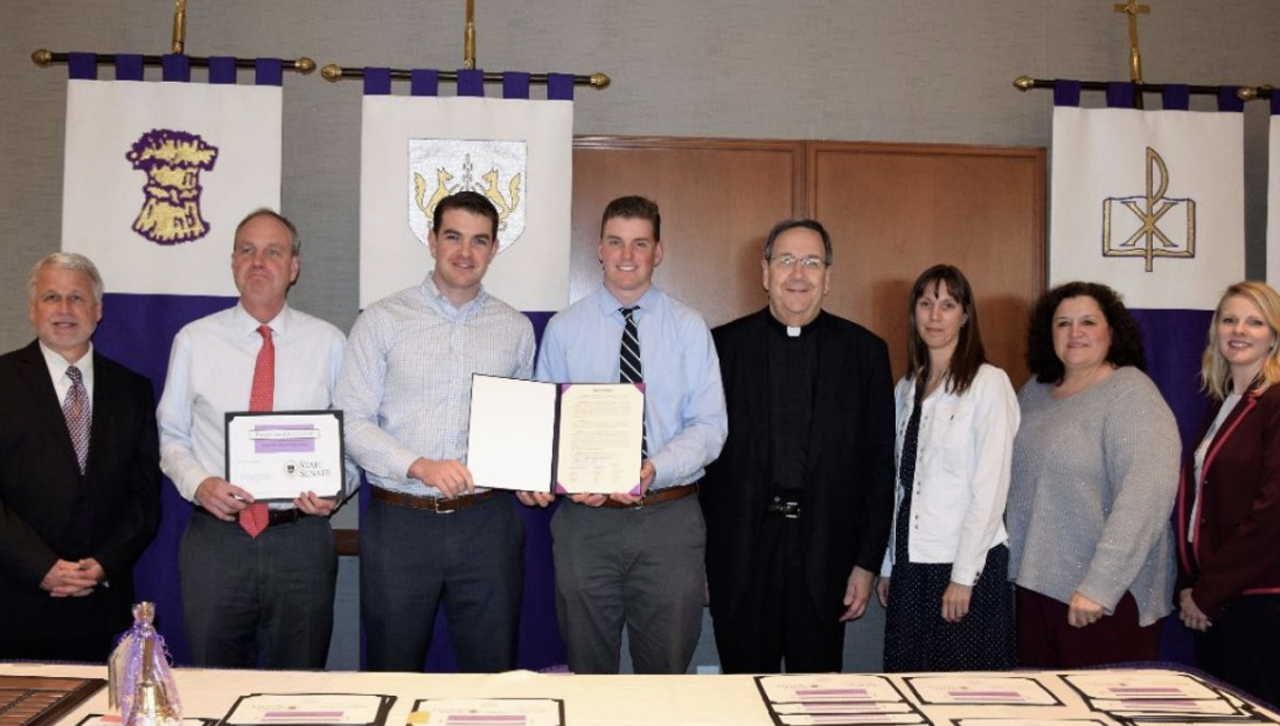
[(684, 399), (406, 379)]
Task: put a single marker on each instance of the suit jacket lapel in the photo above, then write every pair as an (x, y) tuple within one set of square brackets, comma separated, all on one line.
[(826, 385), (47, 409), (104, 400), (757, 387)]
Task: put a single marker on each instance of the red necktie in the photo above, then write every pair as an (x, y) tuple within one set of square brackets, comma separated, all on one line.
[(254, 518)]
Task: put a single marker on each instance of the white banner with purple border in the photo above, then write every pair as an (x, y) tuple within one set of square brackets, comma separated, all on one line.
[(518, 153)]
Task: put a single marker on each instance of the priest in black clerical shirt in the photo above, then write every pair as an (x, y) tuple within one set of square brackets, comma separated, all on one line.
[(800, 502)]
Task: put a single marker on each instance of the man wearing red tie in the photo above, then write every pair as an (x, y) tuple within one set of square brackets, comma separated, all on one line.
[(79, 485), (254, 577)]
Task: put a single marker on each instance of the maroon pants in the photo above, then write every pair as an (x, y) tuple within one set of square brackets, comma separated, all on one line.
[(1045, 640)]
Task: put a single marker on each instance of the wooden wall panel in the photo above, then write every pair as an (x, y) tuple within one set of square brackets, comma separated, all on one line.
[(894, 210), (718, 200)]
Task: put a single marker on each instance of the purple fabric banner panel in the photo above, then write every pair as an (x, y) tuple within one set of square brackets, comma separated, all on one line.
[(1275, 103), (471, 82), (559, 86), (137, 331), (268, 72), (128, 66), (222, 70), (1174, 341), (176, 68), (1066, 92), (82, 66), (424, 82), (1228, 101), (377, 81), (515, 85), (1176, 97), (1120, 95)]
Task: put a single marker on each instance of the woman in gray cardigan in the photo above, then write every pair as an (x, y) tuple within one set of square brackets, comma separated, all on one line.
[(1095, 474)]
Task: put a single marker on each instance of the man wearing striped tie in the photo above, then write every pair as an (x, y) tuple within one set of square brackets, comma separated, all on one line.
[(79, 481), (622, 559)]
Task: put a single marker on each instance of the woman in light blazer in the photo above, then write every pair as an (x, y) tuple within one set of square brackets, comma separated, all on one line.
[(944, 579)]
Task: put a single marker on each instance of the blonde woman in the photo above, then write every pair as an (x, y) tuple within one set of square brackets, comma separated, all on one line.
[(1229, 499)]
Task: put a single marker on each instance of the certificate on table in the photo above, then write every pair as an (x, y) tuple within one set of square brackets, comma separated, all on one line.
[(561, 437), (487, 712), (277, 455), (965, 689), (115, 719), (346, 709)]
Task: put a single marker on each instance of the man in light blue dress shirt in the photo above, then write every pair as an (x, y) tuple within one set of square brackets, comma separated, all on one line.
[(429, 535), (624, 559)]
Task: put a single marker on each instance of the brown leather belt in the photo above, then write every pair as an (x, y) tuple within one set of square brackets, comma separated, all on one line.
[(670, 494), (275, 517), (439, 505)]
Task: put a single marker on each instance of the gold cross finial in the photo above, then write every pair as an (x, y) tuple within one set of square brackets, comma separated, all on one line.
[(1133, 10)]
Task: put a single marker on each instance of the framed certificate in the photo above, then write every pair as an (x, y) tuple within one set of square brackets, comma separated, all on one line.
[(278, 455)]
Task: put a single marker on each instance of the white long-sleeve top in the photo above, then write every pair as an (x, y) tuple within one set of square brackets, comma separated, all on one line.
[(962, 472)]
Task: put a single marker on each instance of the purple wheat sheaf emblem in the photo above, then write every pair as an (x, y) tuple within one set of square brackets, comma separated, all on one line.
[(300, 445), (172, 161)]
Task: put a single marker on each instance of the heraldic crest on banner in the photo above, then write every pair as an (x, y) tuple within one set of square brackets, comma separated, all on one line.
[(173, 161), (1142, 225), (496, 169)]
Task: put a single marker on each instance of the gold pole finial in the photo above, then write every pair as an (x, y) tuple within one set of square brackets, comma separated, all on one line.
[(1133, 10), (469, 37), (1024, 83), (304, 65), (179, 26), (600, 80), (41, 57), (331, 72)]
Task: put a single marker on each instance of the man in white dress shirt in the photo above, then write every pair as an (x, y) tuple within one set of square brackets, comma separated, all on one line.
[(247, 587)]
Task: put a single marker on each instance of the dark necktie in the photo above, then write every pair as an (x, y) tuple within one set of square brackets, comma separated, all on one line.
[(254, 518), (630, 367), (76, 411)]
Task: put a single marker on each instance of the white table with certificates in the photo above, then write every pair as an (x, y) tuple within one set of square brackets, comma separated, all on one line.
[(1116, 697), (566, 438), (278, 455)]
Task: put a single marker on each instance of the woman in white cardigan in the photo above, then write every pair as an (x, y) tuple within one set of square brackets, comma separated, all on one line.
[(944, 578)]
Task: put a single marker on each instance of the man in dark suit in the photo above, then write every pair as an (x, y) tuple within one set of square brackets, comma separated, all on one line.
[(79, 475), (799, 504)]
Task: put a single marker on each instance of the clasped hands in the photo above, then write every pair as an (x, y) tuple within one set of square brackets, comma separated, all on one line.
[(73, 579)]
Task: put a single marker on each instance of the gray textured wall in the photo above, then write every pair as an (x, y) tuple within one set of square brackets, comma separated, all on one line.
[(907, 70), (858, 70)]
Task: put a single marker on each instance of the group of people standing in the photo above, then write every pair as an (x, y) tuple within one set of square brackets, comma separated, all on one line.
[(778, 458), (1067, 491)]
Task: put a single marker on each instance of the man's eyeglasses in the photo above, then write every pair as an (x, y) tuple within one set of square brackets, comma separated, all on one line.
[(811, 263)]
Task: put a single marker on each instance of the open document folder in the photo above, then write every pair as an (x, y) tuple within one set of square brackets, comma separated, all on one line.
[(566, 438)]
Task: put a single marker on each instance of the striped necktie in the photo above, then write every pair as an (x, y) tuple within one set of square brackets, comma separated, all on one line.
[(630, 367)]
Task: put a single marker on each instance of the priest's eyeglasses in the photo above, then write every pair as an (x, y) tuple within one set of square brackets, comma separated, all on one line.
[(812, 263)]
